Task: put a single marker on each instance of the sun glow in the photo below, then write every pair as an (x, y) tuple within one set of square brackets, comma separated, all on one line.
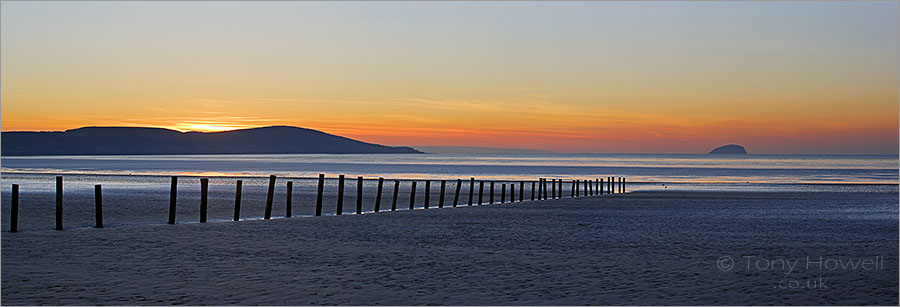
[(207, 127)]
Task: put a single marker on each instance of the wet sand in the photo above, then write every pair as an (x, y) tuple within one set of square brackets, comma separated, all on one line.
[(644, 248)]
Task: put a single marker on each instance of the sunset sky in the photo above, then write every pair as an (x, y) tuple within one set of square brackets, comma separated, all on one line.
[(598, 77)]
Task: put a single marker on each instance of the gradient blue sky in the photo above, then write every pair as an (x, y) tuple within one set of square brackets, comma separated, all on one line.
[(777, 77)]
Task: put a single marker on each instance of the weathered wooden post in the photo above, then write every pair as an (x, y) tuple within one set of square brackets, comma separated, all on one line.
[(172, 198), (546, 188), (575, 187), (532, 191), (559, 193), (359, 191), (270, 196), (396, 190), (98, 207), (600, 186), (289, 199), (502, 193), (237, 201), (540, 184), (521, 191), (412, 196), (491, 194), (471, 189), (585, 187), (480, 191), (59, 205), (441, 198), (512, 192), (340, 200), (14, 209), (456, 195), (378, 194), (427, 194), (320, 189), (623, 184), (204, 191)]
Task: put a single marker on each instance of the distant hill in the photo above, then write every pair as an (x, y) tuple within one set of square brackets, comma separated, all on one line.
[(729, 150), (158, 141), (480, 150)]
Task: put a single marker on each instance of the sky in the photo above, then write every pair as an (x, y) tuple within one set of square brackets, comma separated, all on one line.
[(581, 77)]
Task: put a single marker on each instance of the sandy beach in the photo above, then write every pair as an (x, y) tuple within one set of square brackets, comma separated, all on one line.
[(640, 248)]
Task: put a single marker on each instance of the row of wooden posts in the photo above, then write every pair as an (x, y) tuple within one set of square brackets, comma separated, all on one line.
[(595, 187)]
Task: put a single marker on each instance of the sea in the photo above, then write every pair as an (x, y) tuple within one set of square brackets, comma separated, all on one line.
[(641, 171), (136, 190)]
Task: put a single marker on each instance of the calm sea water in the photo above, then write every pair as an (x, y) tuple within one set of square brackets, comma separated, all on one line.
[(643, 171)]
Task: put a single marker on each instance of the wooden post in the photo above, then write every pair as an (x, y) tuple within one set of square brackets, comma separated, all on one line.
[(359, 191), (502, 193), (601, 186), (560, 183), (545, 189), (59, 206), (340, 200), (441, 198), (540, 188), (237, 200), (491, 194), (396, 189), (480, 191), (412, 196), (559, 191), (575, 187), (585, 188), (172, 197), (98, 207), (288, 199), (378, 194), (591, 188), (597, 185), (623, 184), (512, 192), (456, 196), (319, 191), (14, 209), (427, 194), (532, 191), (471, 189), (270, 196), (204, 190), (521, 191)]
